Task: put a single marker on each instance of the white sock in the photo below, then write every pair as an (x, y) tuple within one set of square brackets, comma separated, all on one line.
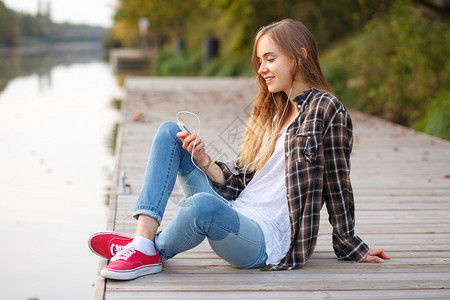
[(144, 245)]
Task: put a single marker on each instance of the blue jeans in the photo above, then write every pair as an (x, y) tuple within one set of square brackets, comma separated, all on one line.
[(203, 214)]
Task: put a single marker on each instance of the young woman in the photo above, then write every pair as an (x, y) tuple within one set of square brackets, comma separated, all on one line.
[(295, 157)]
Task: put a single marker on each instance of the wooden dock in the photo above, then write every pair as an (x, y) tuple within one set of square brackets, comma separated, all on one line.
[(130, 59), (402, 196)]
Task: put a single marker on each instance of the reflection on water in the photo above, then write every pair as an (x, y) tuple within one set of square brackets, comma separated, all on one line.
[(38, 60), (55, 167)]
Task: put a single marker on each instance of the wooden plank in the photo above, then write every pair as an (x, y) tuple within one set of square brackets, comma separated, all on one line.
[(197, 254), (337, 294), (294, 281), (216, 266)]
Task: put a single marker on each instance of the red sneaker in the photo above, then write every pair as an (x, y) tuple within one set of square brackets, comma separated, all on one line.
[(107, 244), (131, 263)]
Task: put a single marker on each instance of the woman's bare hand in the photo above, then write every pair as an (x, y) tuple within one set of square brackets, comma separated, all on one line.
[(189, 141), (376, 255), (211, 169)]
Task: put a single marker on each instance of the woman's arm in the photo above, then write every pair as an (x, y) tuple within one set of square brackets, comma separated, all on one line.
[(338, 192), (204, 161), (213, 171)]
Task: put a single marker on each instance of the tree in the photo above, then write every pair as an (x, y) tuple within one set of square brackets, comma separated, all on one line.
[(9, 27)]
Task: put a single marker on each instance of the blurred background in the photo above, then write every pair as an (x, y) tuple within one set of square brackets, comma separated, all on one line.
[(388, 58), (62, 68)]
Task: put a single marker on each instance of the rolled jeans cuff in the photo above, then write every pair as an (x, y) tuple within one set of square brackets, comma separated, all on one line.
[(147, 212)]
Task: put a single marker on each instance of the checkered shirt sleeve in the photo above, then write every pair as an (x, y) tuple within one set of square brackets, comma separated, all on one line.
[(234, 180)]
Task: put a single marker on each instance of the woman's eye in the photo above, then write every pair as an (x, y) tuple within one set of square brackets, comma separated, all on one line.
[(271, 59)]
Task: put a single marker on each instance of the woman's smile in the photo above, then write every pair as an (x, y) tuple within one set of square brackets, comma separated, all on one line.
[(269, 79)]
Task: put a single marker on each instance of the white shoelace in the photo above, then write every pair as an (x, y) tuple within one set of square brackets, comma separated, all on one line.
[(116, 249), (124, 252)]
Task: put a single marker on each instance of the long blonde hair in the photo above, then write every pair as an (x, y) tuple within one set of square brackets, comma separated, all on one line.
[(259, 140)]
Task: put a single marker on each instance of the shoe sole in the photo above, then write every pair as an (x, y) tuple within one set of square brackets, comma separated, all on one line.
[(131, 274), (100, 233)]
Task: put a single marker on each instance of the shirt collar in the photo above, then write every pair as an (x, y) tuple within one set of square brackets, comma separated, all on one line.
[(303, 98)]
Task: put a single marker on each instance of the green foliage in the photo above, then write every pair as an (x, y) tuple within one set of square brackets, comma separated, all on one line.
[(9, 27), (185, 63), (436, 120), (65, 32), (15, 28), (167, 18), (31, 26), (387, 58), (109, 42), (229, 66), (395, 67), (190, 63), (235, 22), (116, 103), (19, 29)]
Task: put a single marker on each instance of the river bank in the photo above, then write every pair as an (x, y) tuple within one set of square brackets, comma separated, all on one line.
[(42, 48)]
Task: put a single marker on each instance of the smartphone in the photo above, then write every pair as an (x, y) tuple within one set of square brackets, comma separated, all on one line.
[(184, 128)]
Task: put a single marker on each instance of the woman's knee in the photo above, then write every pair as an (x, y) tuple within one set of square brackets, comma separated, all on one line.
[(206, 206), (168, 129), (211, 212)]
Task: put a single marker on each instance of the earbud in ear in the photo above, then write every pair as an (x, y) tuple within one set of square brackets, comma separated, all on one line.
[(299, 61)]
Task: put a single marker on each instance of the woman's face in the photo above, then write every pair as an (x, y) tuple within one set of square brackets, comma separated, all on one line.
[(275, 66)]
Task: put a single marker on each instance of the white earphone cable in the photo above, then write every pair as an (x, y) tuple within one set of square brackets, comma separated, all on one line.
[(272, 133), (259, 157), (193, 149)]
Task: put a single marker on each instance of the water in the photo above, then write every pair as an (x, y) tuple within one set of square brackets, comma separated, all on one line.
[(55, 168)]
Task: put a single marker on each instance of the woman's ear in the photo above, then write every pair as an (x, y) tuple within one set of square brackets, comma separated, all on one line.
[(304, 52), (303, 55)]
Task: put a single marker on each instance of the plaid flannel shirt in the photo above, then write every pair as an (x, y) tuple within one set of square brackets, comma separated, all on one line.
[(317, 147)]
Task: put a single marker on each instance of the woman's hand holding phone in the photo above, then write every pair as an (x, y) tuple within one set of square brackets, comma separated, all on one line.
[(212, 170), (199, 154)]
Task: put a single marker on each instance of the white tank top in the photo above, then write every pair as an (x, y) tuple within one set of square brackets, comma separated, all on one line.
[(264, 200)]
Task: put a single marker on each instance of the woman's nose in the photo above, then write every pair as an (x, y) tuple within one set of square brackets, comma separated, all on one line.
[(262, 69)]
